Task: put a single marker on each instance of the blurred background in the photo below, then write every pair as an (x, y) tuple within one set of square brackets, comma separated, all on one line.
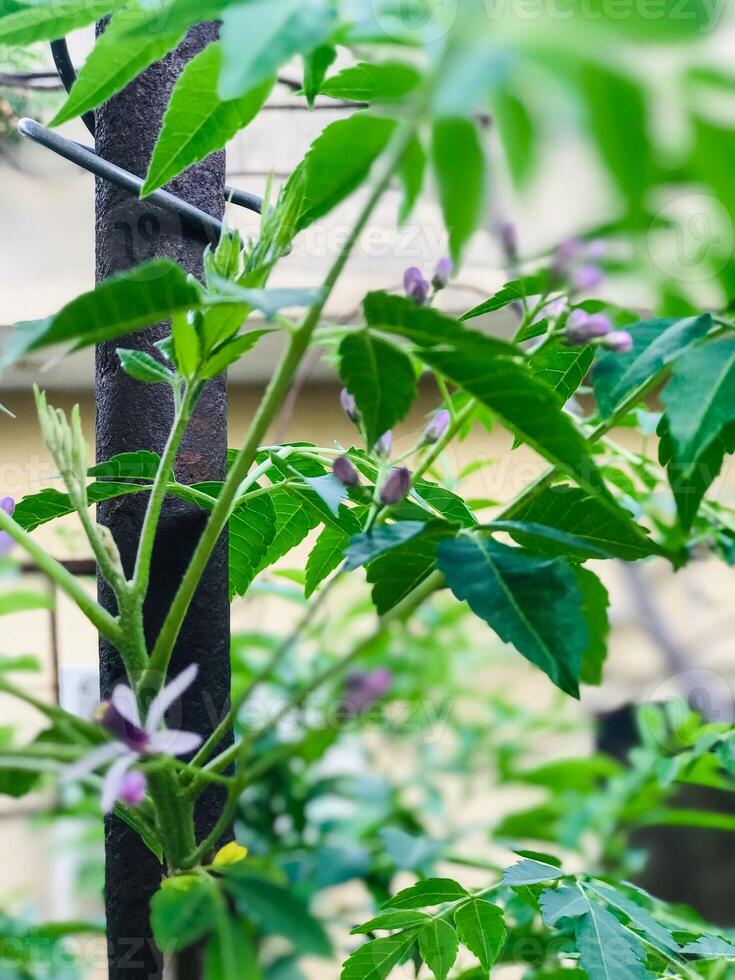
[(446, 683)]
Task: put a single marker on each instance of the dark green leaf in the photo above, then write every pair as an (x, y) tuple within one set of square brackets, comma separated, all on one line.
[(399, 571), (325, 557), (402, 919), (459, 165), (229, 952), (439, 945), (375, 960), (423, 325), (562, 368), (594, 608), (481, 928), (133, 300), (640, 918), (502, 586), (710, 948), (381, 378), (364, 547)]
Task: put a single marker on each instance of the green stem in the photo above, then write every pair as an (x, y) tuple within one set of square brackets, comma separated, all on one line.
[(174, 815), (269, 406), (103, 622)]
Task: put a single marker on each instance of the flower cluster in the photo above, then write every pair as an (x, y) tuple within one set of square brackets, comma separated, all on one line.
[(418, 288), (582, 328)]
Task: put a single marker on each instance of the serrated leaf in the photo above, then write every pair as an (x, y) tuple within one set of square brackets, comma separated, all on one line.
[(143, 367), (145, 295), (512, 292), (230, 352), (544, 539), (365, 82), (364, 547), (459, 165), (481, 928), (502, 586), (562, 903), (700, 400), (138, 465), (49, 21), (329, 490), (640, 918), (607, 950), (595, 603), (563, 369), (710, 947), (47, 505), (399, 571), (603, 526), (375, 960), (530, 872), (260, 36), (381, 379), (325, 557), (293, 521), (401, 919), (197, 122), (427, 892), (439, 946), (656, 343), (338, 162), (179, 918)]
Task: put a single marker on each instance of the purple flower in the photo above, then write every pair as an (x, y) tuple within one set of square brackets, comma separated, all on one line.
[(442, 273), (581, 327), (363, 688), (6, 542), (619, 341), (384, 446), (416, 287), (437, 428), (586, 276), (564, 256), (396, 486), (344, 470), (595, 249), (349, 406), (509, 240), (134, 739)]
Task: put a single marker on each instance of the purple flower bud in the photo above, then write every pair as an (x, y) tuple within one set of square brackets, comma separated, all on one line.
[(349, 406), (563, 257), (344, 470), (6, 542), (133, 788), (619, 341), (108, 717), (582, 327), (509, 240), (437, 428), (384, 445), (417, 288), (586, 277), (553, 309), (363, 688), (442, 273), (595, 249), (396, 486)]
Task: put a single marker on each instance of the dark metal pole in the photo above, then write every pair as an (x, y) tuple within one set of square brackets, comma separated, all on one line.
[(133, 416)]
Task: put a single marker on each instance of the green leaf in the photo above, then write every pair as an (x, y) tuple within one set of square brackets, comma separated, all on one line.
[(49, 21), (562, 368), (260, 36), (700, 400), (710, 948), (459, 165), (517, 134), (365, 82), (542, 539), (277, 909), (179, 918), (381, 378), (423, 325), (502, 586), (338, 162), (187, 348), (640, 918), (655, 344), (24, 600), (229, 951), (580, 775), (425, 893), (596, 522), (197, 122), (325, 557), (375, 960), (230, 352), (138, 465), (405, 918), (530, 872), (412, 173), (691, 484), (269, 301), (439, 946), (47, 505), (143, 367), (595, 603), (481, 928), (364, 547), (607, 950), (399, 571), (562, 903), (132, 40), (26, 662), (293, 521), (512, 292), (145, 295), (316, 65)]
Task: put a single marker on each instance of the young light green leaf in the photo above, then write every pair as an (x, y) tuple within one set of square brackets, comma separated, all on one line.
[(512, 292), (186, 345), (412, 173), (607, 950), (316, 65), (197, 122), (375, 960), (143, 367), (459, 165), (402, 919), (180, 917), (425, 893), (138, 465), (438, 945), (260, 36), (502, 586), (381, 379), (151, 292), (530, 872), (49, 21), (700, 400), (481, 928), (230, 352), (339, 161), (655, 343), (268, 301), (390, 81), (47, 505), (517, 134), (24, 600)]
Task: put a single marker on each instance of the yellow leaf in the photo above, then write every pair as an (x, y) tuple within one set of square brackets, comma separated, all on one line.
[(230, 854)]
